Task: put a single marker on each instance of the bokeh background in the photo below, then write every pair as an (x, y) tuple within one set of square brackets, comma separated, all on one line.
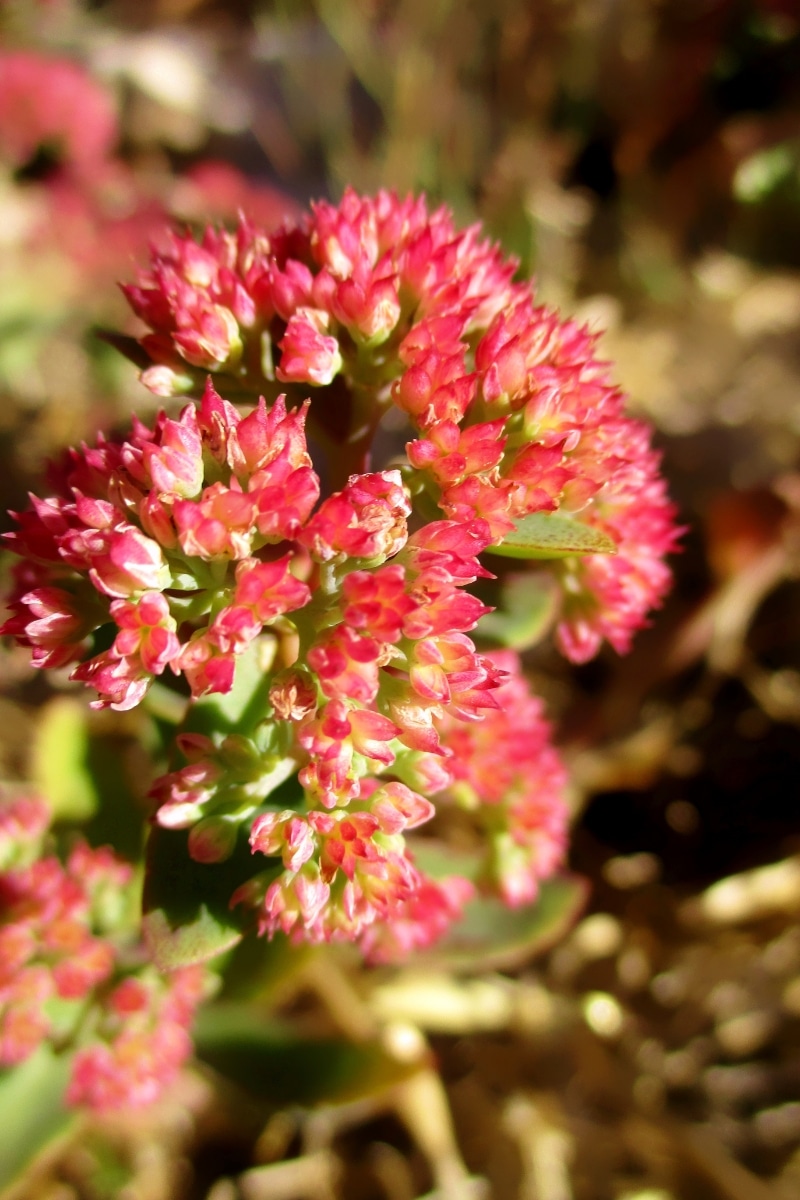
[(641, 158)]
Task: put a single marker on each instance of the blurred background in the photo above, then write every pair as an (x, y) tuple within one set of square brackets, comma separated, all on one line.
[(641, 158)]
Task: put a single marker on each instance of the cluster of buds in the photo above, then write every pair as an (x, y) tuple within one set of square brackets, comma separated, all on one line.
[(82, 207), (508, 774), (69, 976), (512, 411), (53, 103), (141, 1040), (214, 536)]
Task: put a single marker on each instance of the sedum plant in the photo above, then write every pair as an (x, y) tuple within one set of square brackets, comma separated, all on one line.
[(375, 409)]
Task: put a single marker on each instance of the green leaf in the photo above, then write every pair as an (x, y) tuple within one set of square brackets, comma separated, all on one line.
[(542, 535), (491, 936), (241, 709), (127, 346), (274, 1065), (32, 1111), (186, 905), (439, 860), (59, 767), (90, 767), (257, 968), (528, 604)]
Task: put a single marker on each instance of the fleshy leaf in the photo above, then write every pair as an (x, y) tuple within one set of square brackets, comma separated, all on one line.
[(32, 1110), (439, 860), (186, 904), (528, 604), (543, 535), (491, 936), (241, 709), (59, 755), (88, 765), (276, 1066), (257, 968)]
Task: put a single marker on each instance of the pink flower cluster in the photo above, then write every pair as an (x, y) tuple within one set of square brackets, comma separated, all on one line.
[(513, 413), (142, 1040), (506, 772), (52, 103), (61, 947), (80, 201), (183, 546), (138, 539)]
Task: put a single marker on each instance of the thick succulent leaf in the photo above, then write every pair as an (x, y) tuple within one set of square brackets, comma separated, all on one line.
[(279, 1068), (543, 535), (59, 766), (528, 605), (32, 1110), (257, 968), (86, 764), (439, 860), (186, 905), (241, 709), (491, 936), (126, 345)]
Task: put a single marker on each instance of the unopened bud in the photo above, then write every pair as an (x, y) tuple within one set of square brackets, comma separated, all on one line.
[(212, 840)]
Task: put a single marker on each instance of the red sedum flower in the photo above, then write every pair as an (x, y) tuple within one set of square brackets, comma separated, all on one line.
[(214, 535)]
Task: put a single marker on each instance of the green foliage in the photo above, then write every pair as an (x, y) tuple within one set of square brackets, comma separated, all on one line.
[(59, 760), (32, 1111), (526, 609), (493, 937), (276, 1066), (541, 535), (83, 763), (186, 904)]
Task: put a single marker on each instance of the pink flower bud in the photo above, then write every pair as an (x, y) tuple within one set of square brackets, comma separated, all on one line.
[(206, 666), (212, 840), (346, 663), (129, 563), (308, 355), (377, 603), (396, 808), (119, 682), (219, 525), (147, 631), (175, 465), (49, 621), (367, 519), (208, 336), (283, 833), (371, 308)]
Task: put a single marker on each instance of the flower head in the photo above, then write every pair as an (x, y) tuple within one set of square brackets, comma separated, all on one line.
[(182, 547), (513, 413), (180, 568)]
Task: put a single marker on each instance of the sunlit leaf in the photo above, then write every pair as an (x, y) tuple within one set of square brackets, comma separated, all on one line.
[(274, 1065), (59, 766), (258, 967), (491, 936), (528, 604), (439, 860), (186, 904), (242, 708), (542, 535), (32, 1111), (87, 766)]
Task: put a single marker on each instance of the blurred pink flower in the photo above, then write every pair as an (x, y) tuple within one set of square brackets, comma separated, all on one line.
[(53, 104)]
